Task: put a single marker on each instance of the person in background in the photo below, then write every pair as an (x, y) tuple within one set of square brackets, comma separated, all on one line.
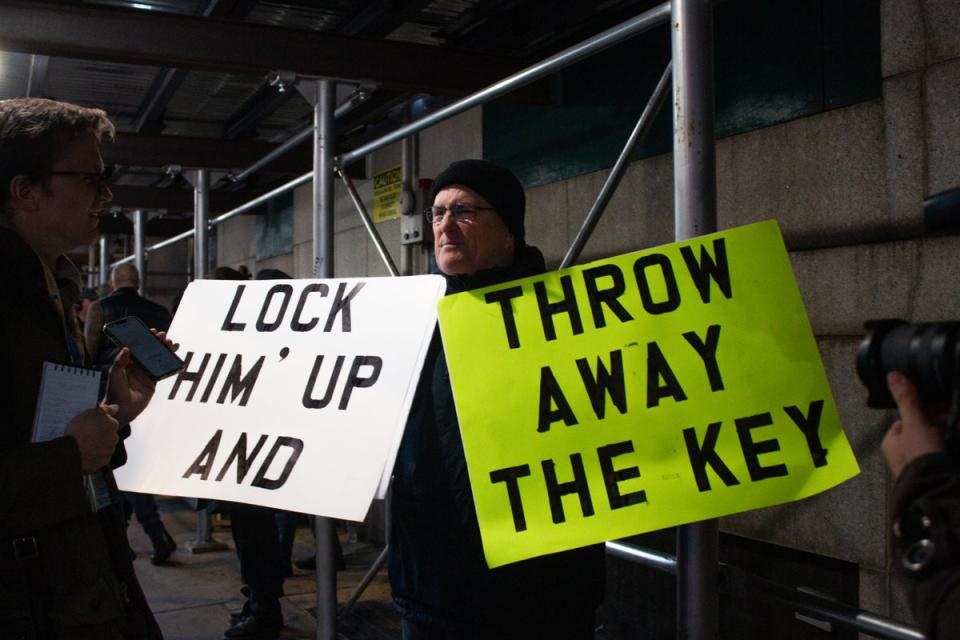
[(257, 541), (125, 300), (438, 574), (65, 566), (926, 512), (87, 297)]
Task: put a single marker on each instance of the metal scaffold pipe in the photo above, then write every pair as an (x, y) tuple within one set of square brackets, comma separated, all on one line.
[(627, 29)]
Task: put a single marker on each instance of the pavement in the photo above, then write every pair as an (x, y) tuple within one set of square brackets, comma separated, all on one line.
[(193, 593)]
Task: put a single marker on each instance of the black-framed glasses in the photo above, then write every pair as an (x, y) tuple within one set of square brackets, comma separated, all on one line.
[(98, 179), (464, 213)]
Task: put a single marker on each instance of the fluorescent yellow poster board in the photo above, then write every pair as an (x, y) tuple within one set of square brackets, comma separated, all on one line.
[(644, 391), (387, 189)]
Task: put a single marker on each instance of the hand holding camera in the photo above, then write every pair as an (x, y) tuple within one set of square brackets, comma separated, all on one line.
[(915, 433)]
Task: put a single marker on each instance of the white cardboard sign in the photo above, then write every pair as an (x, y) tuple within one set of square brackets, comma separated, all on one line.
[(294, 396)]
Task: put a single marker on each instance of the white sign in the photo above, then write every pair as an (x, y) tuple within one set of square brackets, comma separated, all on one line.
[(294, 396)]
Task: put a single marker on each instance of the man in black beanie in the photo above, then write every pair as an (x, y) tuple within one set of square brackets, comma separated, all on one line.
[(438, 573)]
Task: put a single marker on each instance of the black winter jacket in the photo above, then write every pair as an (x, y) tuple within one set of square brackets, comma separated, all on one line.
[(927, 532), (81, 583), (437, 569)]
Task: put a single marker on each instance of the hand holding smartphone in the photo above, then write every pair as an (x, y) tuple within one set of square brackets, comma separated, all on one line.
[(147, 350)]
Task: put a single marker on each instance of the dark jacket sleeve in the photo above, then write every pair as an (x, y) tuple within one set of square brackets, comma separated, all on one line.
[(927, 539), (40, 484)]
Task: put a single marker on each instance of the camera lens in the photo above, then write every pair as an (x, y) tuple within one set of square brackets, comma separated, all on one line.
[(927, 353)]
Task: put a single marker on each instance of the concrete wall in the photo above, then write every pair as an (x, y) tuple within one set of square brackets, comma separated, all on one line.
[(846, 186)]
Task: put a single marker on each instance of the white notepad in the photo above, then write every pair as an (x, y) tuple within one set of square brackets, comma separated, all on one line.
[(65, 391)]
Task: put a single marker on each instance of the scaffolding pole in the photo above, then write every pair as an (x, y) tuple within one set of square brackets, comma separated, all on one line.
[(321, 94), (695, 213), (139, 251), (104, 261), (201, 215)]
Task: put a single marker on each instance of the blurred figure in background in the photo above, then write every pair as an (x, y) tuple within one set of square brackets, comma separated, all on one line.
[(125, 300)]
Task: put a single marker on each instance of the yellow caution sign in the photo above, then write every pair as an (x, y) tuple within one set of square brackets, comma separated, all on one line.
[(387, 189), (644, 391)]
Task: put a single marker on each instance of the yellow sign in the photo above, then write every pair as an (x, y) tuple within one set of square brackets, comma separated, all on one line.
[(387, 187), (648, 390)]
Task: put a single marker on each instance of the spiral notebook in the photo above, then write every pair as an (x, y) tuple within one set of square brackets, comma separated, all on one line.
[(65, 391)]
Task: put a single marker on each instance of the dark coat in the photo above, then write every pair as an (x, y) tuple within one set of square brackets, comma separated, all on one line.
[(437, 569), (83, 575), (125, 301), (927, 510)]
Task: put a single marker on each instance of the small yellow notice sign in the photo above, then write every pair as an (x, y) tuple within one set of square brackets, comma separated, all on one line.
[(387, 188), (644, 391)]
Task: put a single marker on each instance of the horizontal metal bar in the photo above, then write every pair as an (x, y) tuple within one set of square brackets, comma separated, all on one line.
[(164, 243), (627, 29), (649, 557), (802, 600), (357, 98), (256, 202), (253, 204), (864, 621)]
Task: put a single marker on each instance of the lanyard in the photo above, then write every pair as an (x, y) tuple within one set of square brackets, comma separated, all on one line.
[(71, 331)]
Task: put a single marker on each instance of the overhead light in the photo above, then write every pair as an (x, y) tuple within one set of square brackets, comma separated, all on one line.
[(139, 5)]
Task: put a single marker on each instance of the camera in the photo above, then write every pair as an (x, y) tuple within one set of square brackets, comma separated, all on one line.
[(927, 353)]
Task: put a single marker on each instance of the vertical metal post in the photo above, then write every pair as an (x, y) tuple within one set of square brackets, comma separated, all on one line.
[(323, 184), (408, 164), (204, 542), (694, 156), (104, 262), (139, 251), (91, 265), (695, 199), (201, 214), (323, 179)]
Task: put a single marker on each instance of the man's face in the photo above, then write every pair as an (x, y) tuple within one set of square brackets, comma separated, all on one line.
[(463, 248), (69, 206)]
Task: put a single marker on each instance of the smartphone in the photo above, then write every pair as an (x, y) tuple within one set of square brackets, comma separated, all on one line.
[(147, 349)]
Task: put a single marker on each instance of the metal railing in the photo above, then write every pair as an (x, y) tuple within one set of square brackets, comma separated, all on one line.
[(805, 601)]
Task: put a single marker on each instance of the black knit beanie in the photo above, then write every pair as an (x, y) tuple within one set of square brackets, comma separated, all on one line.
[(497, 185)]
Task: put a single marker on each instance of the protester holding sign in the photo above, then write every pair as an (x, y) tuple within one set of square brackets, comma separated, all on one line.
[(438, 573)]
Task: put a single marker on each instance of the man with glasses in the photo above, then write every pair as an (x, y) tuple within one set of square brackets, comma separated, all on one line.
[(65, 566), (438, 574)]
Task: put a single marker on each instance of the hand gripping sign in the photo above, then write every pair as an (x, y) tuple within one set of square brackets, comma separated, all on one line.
[(644, 391), (294, 395)]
